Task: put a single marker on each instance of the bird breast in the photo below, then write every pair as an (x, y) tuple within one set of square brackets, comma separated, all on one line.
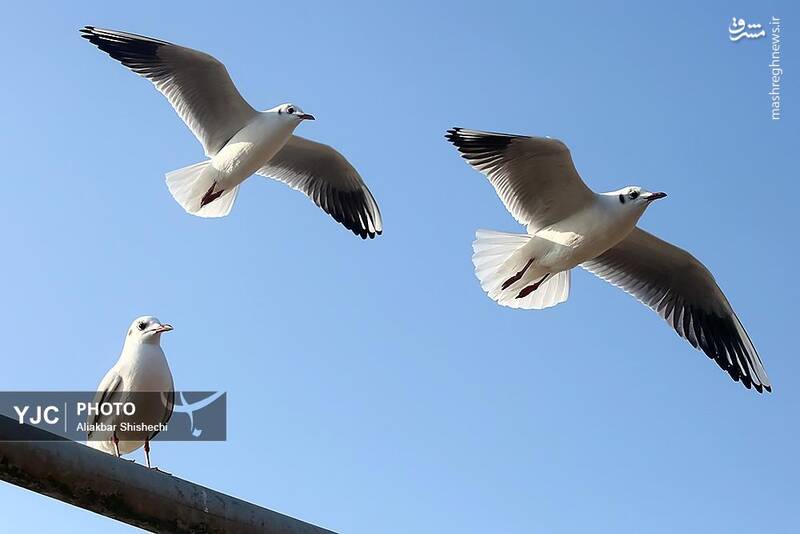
[(250, 149), (583, 236), (148, 370)]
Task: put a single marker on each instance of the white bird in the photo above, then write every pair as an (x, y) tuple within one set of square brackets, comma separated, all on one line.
[(238, 140), (570, 225), (142, 367)]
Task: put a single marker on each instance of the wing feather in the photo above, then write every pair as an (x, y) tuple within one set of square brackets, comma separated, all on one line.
[(328, 179), (674, 284), (196, 84), (533, 176)]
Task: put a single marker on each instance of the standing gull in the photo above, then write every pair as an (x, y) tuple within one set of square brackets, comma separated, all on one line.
[(142, 367), (570, 225), (239, 140)]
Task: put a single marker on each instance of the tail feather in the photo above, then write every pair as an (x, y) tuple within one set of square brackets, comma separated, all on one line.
[(492, 251), (190, 185)]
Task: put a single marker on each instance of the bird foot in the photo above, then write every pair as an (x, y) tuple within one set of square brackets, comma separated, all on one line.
[(211, 195), (531, 288), (514, 279)]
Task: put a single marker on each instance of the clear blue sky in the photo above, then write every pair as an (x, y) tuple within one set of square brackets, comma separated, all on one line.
[(372, 386)]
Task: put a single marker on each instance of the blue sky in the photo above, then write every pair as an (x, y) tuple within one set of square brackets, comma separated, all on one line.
[(372, 386)]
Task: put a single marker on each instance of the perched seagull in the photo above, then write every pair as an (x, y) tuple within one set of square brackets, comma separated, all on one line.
[(142, 367), (570, 225), (239, 140)]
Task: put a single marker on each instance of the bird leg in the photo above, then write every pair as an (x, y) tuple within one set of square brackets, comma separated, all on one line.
[(147, 457), (115, 440), (210, 195), (147, 452), (514, 279), (530, 289)]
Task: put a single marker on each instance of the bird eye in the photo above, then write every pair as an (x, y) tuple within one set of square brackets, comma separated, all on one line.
[(634, 194), (141, 325), (290, 109)]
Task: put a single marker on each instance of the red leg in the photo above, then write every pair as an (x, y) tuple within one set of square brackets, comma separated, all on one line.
[(147, 451), (530, 289), (514, 279), (115, 439)]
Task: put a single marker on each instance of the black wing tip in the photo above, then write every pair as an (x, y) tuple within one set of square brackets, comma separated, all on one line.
[(353, 210), (735, 373), (763, 389), (452, 133), (359, 231), (364, 234), (117, 41), (93, 32), (457, 132), (88, 33), (749, 384), (718, 337), (474, 143)]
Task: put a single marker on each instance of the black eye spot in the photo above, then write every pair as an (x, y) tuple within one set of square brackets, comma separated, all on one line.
[(142, 325), (621, 198), (634, 194), (290, 110)]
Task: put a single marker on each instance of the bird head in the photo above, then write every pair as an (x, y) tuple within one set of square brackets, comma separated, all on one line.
[(147, 329), (292, 112), (635, 198)]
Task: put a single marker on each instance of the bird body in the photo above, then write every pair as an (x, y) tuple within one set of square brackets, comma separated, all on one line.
[(239, 140), (209, 188), (594, 227), (141, 368), (584, 235), (251, 148), (568, 225)]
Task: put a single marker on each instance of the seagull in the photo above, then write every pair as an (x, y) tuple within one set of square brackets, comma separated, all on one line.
[(570, 225), (238, 140), (142, 367)]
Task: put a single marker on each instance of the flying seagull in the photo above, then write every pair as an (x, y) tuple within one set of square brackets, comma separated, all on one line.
[(238, 140), (140, 376), (570, 225)]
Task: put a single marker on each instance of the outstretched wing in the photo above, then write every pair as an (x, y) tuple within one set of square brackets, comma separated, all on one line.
[(533, 176), (195, 83), (328, 179), (674, 284)]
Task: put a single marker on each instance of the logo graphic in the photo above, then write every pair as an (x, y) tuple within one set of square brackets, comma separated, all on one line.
[(738, 27), (189, 409), (81, 416)]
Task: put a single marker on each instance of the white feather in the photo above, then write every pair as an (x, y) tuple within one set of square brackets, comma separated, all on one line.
[(189, 184), (492, 250)]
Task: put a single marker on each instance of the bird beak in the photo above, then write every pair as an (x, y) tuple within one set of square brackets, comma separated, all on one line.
[(306, 117), (655, 196), (163, 328)]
